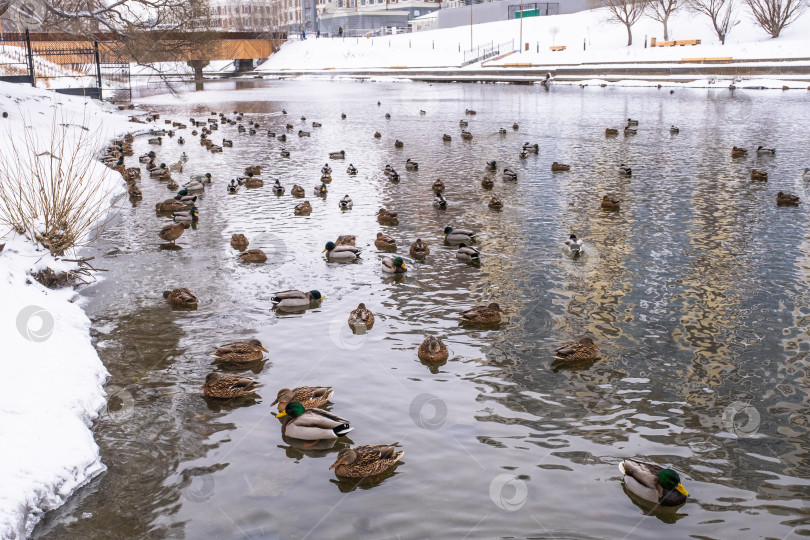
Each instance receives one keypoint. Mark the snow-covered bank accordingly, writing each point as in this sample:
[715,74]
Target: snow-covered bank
[603,43]
[51,389]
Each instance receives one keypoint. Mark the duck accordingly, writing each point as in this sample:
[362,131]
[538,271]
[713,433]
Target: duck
[172,232]
[738,152]
[490,314]
[317,124]
[302,133]
[223,386]
[253,256]
[366,460]
[673,129]
[387,116]
[146,158]
[393,266]
[312,424]
[495,203]
[411,165]
[326,178]
[289,126]
[467,253]
[308,396]
[466,135]
[346,240]
[422,112]
[253,170]
[361,318]
[523,154]
[386,217]
[630,130]
[297,191]
[351,170]
[340,253]
[398,144]
[438,186]
[294,298]
[469,111]
[806,174]
[393,176]
[573,246]
[157,140]
[283,138]
[463,123]
[186,215]
[377,134]
[611,132]
[181,297]
[176,167]
[171,205]
[385,242]
[278,189]
[502,131]
[446,138]
[515,126]
[531,148]
[610,203]
[184,157]
[239,241]
[240,352]
[321,190]
[284,152]
[227,143]
[786,199]
[631,122]
[768,151]
[337,155]
[487,183]
[303,118]
[419,249]
[458,235]
[759,174]
[134,191]
[432,349]
[271,133]
[326,170]
[560,167]
[233,186]
[653,483]
[439,201]
[303,209]
[624,170]
[252,182]
[584,349]
[509,175]
[345,203]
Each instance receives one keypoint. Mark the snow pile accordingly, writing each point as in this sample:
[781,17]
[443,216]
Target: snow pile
[52,383]
[604,42]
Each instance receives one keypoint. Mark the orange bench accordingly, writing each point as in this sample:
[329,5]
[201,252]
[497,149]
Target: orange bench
[557,48]
[655,43]
[518,64]
[701,60]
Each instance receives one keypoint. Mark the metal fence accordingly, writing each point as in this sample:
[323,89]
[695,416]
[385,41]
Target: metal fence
[487,50]
[15,58]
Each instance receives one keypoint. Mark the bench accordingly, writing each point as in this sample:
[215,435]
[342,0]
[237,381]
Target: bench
[655,43]
[701,60]
[557,48]
[518,64]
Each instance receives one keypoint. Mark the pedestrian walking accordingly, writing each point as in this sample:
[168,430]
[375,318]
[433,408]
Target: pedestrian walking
[340,32]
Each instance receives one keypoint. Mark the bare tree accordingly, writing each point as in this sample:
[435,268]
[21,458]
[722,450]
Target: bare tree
[660,10]
[626,12]
[723,14]
[774,15]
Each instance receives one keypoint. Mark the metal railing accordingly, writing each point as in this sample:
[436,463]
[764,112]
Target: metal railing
[487,50]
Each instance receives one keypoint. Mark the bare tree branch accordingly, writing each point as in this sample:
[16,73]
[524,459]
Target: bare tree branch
[626,12]
[774,15]
[660,10]
[723,14]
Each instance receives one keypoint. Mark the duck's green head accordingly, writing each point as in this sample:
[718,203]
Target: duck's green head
[194,212]
[669,480]
[448,230]
[250,175]
[329,247]
[162,165]
[316,295]
[208,175]
[183,192]
[293,410]
[398,262]
[323,188]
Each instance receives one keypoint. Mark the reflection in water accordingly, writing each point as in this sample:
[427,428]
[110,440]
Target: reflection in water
[695,292]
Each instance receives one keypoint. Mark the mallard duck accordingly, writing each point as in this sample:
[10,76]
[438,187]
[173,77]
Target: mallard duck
[233,186]
[387,116]
[673,129]
[340,253]
[422,112]
[385,217]
[393,176]
[171,205]
[170,233]
[398,144]
[181,298]
[176,167]
[411,165]
[610,203]
[630,130]
[302,133]
[184,197]
[806,174]
[326,169]
[253,170]
[222,386]
[738,152]
[303,209]
[653,483]
[321,190]
[509,175]
[458,235]
[490,314]
[158,140]
[466,135]
[762,150]
[786,199]
[487,183]
[146,158]
[326,178]
[312,424]
[278,189]
[240,352]
[502,131]
[439,201]
[303,118]
[134,191]
[515,126]
[624,170]
[393,266]
[184,157]
[463,123]
[361,318]
[252,182]
[187,215]
[495,203]
[271,133]
[283,138]
[611,132]
[573,246]
[365,461]
[759,174]
[419,249]
[317,124]
[523,154]
[351,170]
[283,111]
[295,298]
[631,122]
[284,152]
[467,253]
[385,242]
[227,143]
[438,186]
[447,138]
[345,203]
[432,349]
[308,396]
[194,186]
[377,134]
[239,241]
[560,167]
[577,351]
[297,191]
[215,149]
[345,240]
[469,111]
[253,256]
[337,155]
[531,148]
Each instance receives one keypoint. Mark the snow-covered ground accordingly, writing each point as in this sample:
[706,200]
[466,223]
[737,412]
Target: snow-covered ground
[51,389]
[603,42]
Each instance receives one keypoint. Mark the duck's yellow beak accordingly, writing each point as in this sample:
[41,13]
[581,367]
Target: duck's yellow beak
[682,490]
[282,413]
[403,267]
[265,350]
[335,464]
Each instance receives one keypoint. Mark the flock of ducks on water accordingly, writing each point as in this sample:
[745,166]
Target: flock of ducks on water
[299,408]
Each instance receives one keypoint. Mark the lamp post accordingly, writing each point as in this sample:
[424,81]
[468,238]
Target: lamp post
[471,24]
[521,27]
